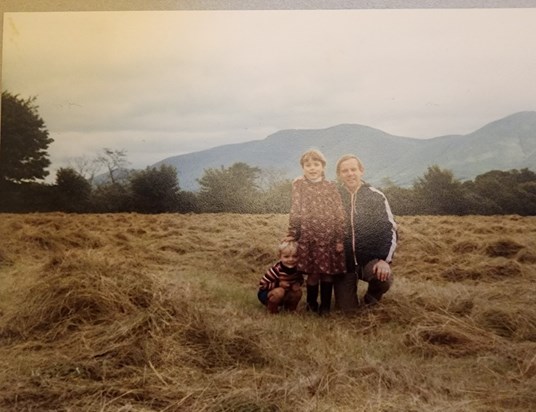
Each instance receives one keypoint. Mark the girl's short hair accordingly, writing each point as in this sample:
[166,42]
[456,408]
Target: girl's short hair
[288,244]
[313,154]
[345,158]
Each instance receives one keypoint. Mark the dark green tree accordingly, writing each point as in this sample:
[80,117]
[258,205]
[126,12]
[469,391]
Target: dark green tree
[188,202]
[510,191]
[73,191]
[529,187]
[527,192]
[231,189]
[478,204]
[401,199]
[24,141]
[155,190]
[439,193]
[277,198]
[111,198]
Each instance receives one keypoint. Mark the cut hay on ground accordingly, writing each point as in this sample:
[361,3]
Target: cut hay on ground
[437,334]
[159,313]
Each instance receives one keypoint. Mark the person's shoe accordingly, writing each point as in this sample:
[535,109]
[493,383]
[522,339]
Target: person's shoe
[312,307]
[291,306]
[326,290]
[324,310]
[312,296]
[273,307]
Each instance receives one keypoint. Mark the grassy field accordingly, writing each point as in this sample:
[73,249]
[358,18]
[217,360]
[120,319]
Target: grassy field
[133,312]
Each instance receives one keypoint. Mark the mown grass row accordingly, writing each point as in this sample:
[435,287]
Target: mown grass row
[151,313]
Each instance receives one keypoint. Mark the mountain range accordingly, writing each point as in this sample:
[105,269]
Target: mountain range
[508,143]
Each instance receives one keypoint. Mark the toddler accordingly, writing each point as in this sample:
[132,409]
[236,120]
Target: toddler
[281,284]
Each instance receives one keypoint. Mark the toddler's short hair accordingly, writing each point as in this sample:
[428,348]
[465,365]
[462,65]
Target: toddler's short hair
[313,154]
[290,244]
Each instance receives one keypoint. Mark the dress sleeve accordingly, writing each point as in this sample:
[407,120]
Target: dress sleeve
[295,216]
[338,215]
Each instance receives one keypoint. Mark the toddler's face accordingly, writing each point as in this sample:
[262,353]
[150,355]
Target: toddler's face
[289,257]
[313,169]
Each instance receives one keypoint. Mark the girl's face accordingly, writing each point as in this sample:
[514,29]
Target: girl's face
[313,169]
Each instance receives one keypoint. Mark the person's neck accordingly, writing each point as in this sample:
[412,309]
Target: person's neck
[288,268]
[354,189]
[318,179]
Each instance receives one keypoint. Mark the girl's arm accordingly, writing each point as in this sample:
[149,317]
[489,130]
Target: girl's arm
[295,211]
[339,218]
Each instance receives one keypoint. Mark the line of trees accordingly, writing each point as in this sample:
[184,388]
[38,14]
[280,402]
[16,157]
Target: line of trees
[233,189]
[438,192]
[239,188]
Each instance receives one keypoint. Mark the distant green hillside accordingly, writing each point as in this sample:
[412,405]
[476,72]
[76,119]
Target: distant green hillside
[508,143]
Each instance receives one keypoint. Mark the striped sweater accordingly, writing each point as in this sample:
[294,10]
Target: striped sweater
[277,273]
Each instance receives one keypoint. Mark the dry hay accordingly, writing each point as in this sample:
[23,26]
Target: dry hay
[78,292]
[509,312]
[429,299]
[100,329]
[465,246]
[213,350]
[428,245]
[497,269]
[93,321]
[58,241]
[249,257]
[501,322]
[94,330]
[503,247]
[515,368]
[447,335]
[524,356]
[526,256]
[5,258]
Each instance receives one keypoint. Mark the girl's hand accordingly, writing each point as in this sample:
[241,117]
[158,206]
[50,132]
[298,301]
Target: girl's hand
[339,247]
[288,239]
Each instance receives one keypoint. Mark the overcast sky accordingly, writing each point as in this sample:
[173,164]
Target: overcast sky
[163,83]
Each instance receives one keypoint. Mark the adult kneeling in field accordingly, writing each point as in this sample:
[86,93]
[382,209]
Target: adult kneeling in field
[370,237]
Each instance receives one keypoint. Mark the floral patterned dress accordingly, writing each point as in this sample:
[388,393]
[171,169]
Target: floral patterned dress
[317,223]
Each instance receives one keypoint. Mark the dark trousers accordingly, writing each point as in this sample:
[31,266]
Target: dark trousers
[345,287]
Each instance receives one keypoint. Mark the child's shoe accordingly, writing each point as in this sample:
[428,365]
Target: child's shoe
[312,295]
[273,307]
[326,290]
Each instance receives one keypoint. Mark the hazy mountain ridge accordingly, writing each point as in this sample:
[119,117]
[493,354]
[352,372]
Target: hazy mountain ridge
[507,143]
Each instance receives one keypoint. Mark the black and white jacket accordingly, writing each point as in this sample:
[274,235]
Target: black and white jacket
[371,231]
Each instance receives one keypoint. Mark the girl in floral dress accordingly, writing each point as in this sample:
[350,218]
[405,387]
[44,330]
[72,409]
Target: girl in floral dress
[317,223]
